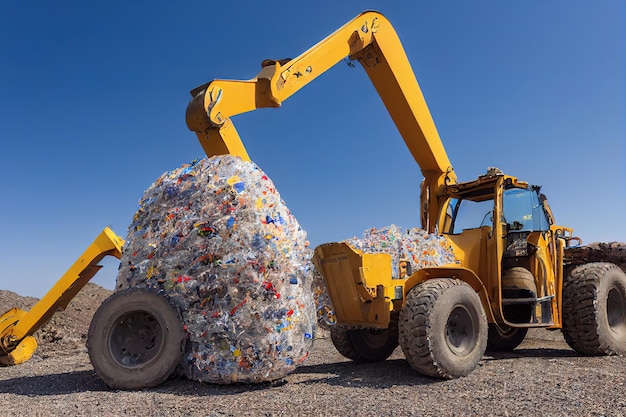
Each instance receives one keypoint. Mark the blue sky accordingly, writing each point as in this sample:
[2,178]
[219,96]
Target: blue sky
[93,98]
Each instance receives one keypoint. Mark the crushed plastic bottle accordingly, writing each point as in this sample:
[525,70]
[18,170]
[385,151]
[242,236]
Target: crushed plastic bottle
[215,237]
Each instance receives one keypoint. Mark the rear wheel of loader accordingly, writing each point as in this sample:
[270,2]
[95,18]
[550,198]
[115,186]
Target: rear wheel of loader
[364,345]
[443,328]
[594,309]
[135,340]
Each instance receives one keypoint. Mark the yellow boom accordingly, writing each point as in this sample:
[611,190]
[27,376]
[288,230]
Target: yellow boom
[17,326]
[369,38]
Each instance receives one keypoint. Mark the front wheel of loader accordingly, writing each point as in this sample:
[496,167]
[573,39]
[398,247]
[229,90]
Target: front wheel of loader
[594,309]
[135,340]
[364,345]
[443,328]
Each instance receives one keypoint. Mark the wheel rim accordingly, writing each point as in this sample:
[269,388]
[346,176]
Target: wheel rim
[616,310]
[460,331]
[136,339]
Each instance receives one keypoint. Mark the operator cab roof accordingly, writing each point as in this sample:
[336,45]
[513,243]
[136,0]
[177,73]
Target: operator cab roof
[484,187]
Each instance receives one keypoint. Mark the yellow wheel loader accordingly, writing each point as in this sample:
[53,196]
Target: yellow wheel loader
[511,275]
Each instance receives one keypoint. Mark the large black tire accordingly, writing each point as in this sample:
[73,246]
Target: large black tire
[443,328]
[504,340]
[364,345]
[136,340]
[594,309]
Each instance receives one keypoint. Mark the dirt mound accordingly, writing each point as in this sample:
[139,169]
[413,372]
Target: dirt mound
[67,331]
[10,299]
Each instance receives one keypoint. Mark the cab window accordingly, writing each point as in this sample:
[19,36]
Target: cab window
[468,214]
[523,211]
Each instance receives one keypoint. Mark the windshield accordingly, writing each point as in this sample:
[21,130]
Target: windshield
[522,209]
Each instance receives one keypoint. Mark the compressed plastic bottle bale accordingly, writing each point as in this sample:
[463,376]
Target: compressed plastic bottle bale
[217,239]
[416,245]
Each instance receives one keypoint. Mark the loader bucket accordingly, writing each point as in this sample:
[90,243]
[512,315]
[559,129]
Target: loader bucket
[12,350]
[355,283]
[22,352]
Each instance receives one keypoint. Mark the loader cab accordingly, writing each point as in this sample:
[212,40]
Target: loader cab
[522,212]
[498,228]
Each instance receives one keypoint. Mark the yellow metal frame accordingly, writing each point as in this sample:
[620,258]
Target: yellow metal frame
[369,38]
[17,326]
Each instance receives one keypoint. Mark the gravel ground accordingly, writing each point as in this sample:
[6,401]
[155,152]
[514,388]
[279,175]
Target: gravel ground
[542,377]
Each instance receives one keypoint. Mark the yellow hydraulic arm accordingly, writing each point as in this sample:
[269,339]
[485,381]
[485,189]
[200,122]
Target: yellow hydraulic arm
[17,326]
[369,38]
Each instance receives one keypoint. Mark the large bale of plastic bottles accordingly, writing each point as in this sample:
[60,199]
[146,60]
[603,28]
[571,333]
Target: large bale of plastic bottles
[215,237]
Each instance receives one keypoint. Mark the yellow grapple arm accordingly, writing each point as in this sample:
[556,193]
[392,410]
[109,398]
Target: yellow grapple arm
[17,326]
[369,38]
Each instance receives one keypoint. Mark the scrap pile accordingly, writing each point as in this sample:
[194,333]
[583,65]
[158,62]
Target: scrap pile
[215,237]
[613,252]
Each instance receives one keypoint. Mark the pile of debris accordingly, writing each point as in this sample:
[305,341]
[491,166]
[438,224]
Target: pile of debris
[613,252]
